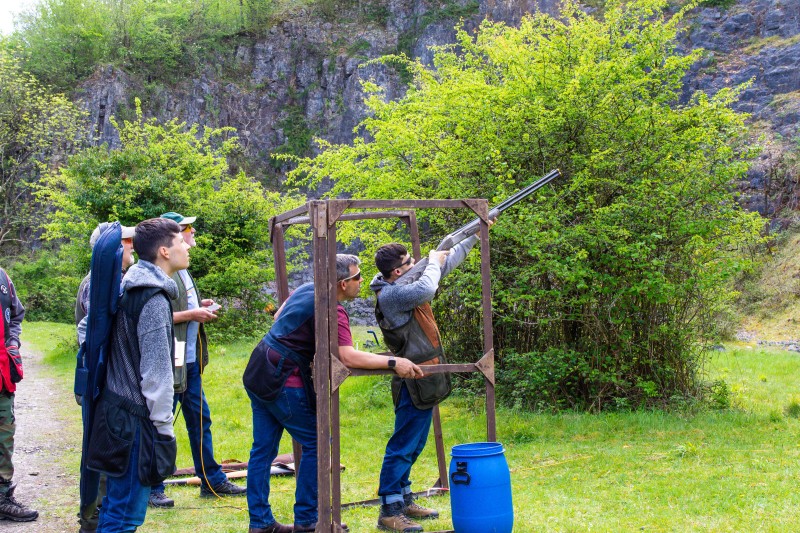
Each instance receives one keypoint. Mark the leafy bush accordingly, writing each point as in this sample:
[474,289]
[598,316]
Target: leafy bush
[47,282]
[171,167]
[720,394]
[605,287]
[61,41]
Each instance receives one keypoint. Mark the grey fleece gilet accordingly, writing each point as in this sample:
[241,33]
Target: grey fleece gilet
[153,388]
[398,302]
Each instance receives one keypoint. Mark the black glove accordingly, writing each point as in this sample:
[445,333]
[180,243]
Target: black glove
[15,364]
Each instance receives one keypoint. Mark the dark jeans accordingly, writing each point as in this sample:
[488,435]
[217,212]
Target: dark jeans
[125,503]
[411,428]
[86,517]
[289,411]
[193,405]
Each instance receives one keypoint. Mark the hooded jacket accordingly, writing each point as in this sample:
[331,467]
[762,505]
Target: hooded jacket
[152,386]
[14,314]
[397,302]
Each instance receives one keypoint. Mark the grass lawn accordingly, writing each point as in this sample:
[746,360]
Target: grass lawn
[718,470]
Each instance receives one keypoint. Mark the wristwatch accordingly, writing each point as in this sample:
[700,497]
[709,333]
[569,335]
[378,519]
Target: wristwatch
[392,362]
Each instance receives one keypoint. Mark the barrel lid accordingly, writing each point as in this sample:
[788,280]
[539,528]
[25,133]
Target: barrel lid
[477,449]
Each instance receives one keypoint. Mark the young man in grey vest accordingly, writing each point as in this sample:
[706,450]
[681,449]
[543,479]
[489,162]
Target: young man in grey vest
[409,329]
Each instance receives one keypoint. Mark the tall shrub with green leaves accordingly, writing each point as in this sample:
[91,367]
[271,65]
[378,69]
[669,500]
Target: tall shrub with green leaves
[604,285]
[37,130]
[172,167]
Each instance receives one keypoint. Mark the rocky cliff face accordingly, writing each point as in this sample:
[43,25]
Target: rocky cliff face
[757,41]
[303,78]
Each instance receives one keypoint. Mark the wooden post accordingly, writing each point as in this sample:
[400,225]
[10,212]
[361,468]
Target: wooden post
[319,215]
[488,336]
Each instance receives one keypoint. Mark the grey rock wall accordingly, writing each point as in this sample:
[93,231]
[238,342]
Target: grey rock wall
[303,64]
[305,75]
[756,42]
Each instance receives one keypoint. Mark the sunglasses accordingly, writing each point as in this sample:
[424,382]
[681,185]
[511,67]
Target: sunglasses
[186,228]
[404,263]
[356,277]
[127,240]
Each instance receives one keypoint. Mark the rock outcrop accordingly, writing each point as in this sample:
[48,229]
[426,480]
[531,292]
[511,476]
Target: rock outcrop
[304,77]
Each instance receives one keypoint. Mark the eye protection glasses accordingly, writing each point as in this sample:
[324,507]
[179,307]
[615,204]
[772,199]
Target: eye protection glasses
[404,263]
[356,277]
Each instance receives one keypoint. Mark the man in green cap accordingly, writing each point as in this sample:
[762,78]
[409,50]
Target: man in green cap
[190,313]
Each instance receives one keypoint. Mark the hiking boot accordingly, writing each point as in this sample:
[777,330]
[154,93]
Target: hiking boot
[412,510]
[226,488]
[312,527]
[89,525]
[11,509]
[391,518]
[277,527]
[159,499]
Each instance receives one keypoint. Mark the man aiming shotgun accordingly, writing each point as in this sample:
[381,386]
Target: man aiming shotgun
[468,230]
[403,292]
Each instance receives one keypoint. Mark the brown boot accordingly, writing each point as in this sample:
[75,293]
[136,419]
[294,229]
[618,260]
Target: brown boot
[417,512]
[391,518]
[277,527]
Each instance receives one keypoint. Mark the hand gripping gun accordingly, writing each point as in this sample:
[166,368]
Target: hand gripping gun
[467,230]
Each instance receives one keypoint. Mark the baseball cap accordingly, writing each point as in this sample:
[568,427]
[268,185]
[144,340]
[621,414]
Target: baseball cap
[180,219]
[127,232]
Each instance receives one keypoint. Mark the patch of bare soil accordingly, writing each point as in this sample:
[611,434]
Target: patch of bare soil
[46,450]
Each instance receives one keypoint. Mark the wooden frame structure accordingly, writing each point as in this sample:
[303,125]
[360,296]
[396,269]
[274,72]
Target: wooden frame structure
[322,216]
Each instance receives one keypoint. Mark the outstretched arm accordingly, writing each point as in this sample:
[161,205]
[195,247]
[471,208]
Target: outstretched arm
[357,359]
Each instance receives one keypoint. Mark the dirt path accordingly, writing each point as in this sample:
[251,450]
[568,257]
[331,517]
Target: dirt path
[47,450]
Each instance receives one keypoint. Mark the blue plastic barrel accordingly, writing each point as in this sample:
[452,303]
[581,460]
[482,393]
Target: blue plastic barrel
[480,489]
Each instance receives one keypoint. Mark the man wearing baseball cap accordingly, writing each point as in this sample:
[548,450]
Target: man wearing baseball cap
[190,313]
[82,302]
[88,515]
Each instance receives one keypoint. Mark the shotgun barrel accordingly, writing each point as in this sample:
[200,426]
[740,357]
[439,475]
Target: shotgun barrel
[467,230]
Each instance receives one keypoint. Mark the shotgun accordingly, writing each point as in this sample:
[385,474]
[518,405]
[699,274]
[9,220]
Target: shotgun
[467,230]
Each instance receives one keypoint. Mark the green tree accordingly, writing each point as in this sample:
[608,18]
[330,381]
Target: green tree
[603,290]
[61,41]
[172,167]
[37,129]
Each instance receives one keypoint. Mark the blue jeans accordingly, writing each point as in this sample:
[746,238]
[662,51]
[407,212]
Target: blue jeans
[289,411]
[193,405]
[411,428]
[125,502]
